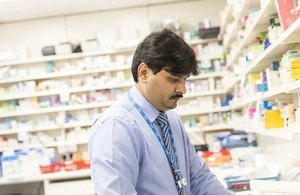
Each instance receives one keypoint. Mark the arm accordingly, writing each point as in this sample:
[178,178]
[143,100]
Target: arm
[203,181]
[114,157]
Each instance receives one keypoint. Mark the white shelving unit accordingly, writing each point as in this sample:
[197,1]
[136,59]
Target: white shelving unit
[73,73]
[64,27]
[48,128]
[68,56]
[49,180]
[201,117]
[204,111]
[68,73]
[72,182]
[57,109]
[287,41]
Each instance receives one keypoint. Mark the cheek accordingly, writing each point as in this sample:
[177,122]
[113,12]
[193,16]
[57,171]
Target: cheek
[164,89]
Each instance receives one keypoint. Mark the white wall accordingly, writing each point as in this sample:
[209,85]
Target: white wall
[36,34]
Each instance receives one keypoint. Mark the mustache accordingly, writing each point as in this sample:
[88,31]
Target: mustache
[176,96]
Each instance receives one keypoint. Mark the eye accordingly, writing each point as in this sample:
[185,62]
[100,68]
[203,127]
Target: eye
[173,79]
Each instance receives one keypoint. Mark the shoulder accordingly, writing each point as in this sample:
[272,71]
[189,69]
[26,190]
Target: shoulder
[117,124]
[119,112]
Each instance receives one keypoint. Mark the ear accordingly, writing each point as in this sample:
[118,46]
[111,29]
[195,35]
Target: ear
[143,72]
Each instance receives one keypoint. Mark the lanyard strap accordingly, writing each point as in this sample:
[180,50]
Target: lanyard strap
[174,165]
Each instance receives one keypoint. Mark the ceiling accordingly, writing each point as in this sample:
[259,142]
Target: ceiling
[20,10]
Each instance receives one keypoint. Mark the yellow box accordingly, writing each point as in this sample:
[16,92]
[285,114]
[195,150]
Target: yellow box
[272,119]
[295,64]
[295,71]
[279,124]
[295,76]
[253,77]
[272,113]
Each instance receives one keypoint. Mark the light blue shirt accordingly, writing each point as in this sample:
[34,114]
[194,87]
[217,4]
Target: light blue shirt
[127,158]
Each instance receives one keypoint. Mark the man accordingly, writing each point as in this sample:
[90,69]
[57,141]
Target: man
[139,145]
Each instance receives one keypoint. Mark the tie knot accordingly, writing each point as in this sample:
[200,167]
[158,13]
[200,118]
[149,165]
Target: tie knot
[162,119]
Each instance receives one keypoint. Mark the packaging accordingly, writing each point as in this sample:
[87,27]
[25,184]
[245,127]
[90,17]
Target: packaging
[63,48]
[205,33]
[90,45]
[284,10]
[48,50]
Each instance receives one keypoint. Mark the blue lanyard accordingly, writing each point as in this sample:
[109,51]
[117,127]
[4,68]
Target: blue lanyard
[173,165]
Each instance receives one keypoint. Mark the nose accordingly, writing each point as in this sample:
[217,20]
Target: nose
[181,88]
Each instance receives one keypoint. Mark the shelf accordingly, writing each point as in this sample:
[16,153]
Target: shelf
[288,40]
[205,93]
[281,133]
[260,24]
[65,74]
[208,75]
[71,90]
[47,127]
[217,127]
[212,110]
[50,144]
[278,92]
[113,66]
[49,176]
[67,57]
[226,18]
[20,147]
[233,82]
[67,142]
[237,23]
[56,109]
[86,54]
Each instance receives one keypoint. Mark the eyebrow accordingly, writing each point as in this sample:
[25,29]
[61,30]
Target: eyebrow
[180,76]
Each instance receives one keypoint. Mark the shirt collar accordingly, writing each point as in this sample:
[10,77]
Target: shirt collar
[150,111]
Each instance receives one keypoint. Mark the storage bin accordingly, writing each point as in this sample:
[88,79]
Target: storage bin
[205,33]
[236,184]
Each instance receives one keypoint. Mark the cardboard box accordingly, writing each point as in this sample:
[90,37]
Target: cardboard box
[284,8]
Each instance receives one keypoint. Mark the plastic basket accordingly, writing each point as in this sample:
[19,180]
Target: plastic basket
[236,184]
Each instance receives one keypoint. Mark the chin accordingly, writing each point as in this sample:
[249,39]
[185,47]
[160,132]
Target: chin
[173,106]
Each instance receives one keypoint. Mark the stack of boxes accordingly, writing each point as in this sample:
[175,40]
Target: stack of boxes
[273,119]
[290,62]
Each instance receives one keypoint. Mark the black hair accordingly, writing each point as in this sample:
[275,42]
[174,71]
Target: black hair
[165,50]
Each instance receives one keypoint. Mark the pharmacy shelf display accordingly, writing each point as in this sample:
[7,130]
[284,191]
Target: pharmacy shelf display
[283,94]
[32,93]
[203,108]
[46,101]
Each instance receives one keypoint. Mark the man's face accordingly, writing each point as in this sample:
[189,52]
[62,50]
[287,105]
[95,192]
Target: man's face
[164,90]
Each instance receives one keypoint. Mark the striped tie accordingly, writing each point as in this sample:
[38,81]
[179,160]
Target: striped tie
[163,122]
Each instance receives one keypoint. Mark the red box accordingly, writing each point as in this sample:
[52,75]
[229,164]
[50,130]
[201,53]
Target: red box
[50,168]
[284,8]
[72,165]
